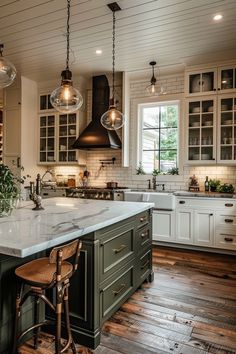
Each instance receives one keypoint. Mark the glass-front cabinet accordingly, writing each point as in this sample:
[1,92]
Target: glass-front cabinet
[1,136]
[47,143]
[67,136]
[227,129]
[227,78]
[201,82]
[201,123]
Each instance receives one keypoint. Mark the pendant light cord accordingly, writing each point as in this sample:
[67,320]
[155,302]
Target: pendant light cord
[68,35]
[113,55]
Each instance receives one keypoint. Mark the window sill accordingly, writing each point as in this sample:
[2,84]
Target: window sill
[159,178]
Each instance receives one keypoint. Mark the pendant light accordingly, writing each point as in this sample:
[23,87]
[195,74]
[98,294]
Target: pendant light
[152,88]
[7,70]
[113,119]
[66,98]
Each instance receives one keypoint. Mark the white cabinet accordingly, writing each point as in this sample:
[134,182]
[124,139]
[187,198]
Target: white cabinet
[57,133]
[163,223]
[201,128]
[203,227]
[227,78]
[184,226]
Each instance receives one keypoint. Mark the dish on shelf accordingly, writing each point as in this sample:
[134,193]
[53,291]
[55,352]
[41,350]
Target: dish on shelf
[195,157]
[50,158]
[210,109]
[227,122]
[224,107]
[208,123]
[205,156]
[196,110]
[195,124]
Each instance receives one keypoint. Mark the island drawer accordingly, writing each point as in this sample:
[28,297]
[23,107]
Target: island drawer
[226,238]
[116,248]
[112,295]
[143,219]
[143,237]
[143,267]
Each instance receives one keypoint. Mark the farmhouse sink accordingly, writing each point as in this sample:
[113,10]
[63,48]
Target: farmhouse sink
[162,201]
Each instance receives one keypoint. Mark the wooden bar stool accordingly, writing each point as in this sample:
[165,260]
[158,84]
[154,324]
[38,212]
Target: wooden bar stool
[39,275]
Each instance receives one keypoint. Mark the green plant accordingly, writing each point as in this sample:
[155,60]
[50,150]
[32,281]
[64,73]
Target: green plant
[156,172]
[214,184]
[173,171]
[225,188]
[140,170]
[9,189]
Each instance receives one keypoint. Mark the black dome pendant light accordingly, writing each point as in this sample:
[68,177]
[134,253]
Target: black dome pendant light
[66,98]
[113,119]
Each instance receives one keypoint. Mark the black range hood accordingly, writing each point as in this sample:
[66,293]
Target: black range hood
[95,136]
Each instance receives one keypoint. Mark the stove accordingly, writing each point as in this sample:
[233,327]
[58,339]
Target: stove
[97,193]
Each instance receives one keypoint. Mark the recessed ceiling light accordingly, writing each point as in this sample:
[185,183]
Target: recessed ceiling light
[98,51]
[217,17]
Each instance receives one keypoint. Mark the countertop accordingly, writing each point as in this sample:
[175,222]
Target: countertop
[26,232]
[204,194]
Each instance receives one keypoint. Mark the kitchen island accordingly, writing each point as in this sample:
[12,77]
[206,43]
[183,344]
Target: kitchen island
[115,258]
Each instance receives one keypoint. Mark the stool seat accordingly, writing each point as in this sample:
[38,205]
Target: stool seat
[41,272]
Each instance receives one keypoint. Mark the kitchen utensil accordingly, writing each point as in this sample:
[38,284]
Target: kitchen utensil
[112,184]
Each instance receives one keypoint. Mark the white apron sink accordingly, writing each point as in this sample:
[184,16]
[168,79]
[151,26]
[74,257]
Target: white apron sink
[162,201]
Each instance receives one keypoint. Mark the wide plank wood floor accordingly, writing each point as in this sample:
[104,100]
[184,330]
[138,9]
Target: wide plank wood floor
[190,308]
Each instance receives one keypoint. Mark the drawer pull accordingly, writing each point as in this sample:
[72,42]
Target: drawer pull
[118,250]
[143,218]
[228,239]
[116,292]
[145,264]
[229,204]
[181,202]
[229,220]
[144,234]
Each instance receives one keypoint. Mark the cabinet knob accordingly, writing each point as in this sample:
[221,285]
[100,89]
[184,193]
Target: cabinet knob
[229,220]
[211,214]
[144,234]
[218,88]
[214,89]
[142,219]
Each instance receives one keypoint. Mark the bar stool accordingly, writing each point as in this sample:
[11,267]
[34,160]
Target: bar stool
[52,272]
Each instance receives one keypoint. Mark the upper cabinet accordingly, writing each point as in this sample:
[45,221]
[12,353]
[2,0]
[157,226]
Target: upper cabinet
[57,133]
[1,136]
[221,79]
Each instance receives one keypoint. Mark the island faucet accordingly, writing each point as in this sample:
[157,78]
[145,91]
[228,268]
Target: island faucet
[35,193]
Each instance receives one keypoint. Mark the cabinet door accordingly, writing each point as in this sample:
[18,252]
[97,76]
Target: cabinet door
[227,79]
[47,137]
[227,128]
[184,226]
[201,128]
[203,227]
[163,226]
[201,82]
[68,132]
[1,136]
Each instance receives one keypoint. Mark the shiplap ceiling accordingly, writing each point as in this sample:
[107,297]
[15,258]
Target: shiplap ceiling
[169,31]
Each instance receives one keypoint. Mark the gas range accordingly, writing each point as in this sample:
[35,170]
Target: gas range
[97,193]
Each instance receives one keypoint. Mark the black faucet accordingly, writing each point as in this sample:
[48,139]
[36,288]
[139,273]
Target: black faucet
[35,193]
[149,184]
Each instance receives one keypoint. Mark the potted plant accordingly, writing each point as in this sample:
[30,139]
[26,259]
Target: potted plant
[9,190]
[214,184]
[226,188]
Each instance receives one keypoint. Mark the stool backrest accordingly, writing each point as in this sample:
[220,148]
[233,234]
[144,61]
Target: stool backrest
[63,252]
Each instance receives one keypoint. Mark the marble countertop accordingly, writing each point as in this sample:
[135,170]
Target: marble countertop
[26,232]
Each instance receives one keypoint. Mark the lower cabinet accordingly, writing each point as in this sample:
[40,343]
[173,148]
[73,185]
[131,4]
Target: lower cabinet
[203,227]
[163,223]
[184,226]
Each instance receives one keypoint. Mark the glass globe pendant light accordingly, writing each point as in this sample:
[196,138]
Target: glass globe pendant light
[7,70]
[152,88]
[66,98]
[113,119]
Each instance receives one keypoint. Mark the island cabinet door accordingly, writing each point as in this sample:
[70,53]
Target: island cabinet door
[117,247]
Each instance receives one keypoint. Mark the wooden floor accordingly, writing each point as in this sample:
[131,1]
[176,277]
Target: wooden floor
[190,308]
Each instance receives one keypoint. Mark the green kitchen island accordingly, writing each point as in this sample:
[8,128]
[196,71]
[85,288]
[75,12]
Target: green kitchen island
[116,258]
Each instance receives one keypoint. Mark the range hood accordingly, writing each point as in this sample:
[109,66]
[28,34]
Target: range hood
[95,136]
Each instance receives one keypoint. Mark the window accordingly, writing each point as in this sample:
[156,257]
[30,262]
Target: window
[158,140]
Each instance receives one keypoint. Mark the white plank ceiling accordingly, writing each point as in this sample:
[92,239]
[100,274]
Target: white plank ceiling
[170,31]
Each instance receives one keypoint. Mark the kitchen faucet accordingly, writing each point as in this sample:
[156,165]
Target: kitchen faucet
[35,193]
[155,184]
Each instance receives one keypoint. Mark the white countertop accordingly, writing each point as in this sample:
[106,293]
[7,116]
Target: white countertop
[26,231]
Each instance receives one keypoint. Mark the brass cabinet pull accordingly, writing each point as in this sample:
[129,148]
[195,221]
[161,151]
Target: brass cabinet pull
[118,250]
[116,292]
[144,234]
[229,204]
[142,219]
[229,220]
[145,264]
[228,239]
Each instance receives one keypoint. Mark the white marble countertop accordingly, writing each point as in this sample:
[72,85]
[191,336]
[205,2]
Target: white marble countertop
[26,231]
